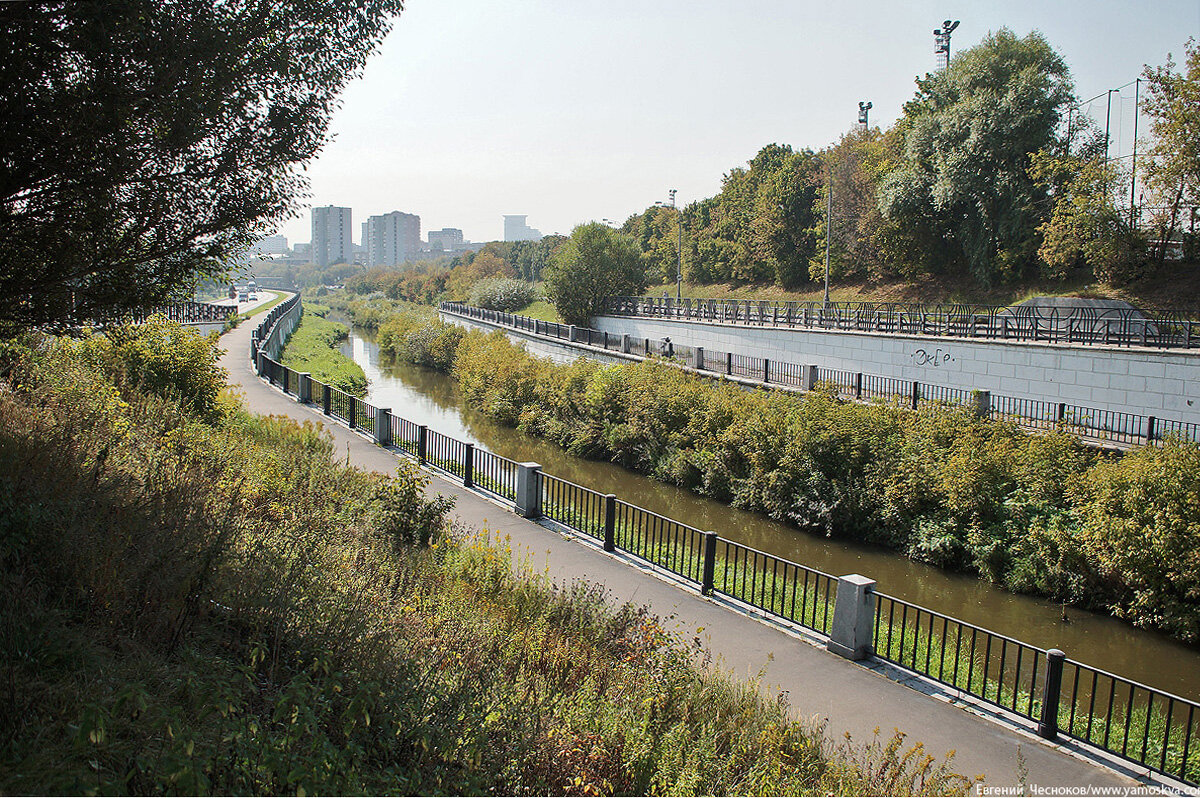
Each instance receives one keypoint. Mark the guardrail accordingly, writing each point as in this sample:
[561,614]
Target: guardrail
[1080,325]
[1114,426]
[1053,694]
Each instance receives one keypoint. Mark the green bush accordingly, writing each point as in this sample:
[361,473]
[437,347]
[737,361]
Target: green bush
[502,294]
[164,358]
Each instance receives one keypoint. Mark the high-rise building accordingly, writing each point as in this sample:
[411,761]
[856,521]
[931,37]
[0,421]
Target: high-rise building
[448,239]
[515,229]
[392,239]
[331,238]
[271,245]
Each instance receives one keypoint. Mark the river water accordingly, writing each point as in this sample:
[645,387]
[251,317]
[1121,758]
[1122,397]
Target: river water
[427,397]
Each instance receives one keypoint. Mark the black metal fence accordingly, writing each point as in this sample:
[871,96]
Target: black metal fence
[1076,325]
[1150,727]
[1111,426]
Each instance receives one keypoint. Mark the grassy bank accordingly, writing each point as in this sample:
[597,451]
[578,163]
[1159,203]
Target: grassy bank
[1034,513]
[197,600]
[313,348]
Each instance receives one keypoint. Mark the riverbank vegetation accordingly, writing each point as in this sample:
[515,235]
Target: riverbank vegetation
[195,599]
[1035,513]
[313,348]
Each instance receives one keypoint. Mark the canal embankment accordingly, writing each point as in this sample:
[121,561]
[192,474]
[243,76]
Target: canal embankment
[817,684]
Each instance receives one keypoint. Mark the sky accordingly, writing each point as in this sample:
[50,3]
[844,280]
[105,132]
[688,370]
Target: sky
[570,112]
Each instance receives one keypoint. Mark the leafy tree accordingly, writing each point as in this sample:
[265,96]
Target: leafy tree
[1086,229]
[962,198]
[148,140]
[856,163]
[1172,170]
[595,263]
[759,228]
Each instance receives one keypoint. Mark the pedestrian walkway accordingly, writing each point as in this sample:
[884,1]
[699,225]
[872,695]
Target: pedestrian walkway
[848,697]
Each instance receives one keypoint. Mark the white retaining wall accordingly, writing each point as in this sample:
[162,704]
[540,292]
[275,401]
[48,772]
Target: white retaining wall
[1150,382]
[539,345]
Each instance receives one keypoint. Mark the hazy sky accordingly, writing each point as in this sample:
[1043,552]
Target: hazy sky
[570,111]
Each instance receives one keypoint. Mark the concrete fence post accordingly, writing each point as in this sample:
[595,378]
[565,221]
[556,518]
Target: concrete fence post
[610,522]
[326,400]
[571,334]
[625,347]
[981,403]
[809,376]
[709,570]
[851,634]
[304,388]
[1051,690]
[700,358]
[383,426]
[529,490]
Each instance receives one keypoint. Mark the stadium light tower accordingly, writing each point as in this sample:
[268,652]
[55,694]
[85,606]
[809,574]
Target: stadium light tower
[941,42]
[863,108]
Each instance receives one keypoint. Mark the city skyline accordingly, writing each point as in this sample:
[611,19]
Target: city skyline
[570,114]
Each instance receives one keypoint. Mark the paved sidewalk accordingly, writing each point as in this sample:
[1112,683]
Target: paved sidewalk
[847,696]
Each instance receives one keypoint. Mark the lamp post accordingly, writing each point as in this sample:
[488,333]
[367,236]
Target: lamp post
[828,230]
[679,251]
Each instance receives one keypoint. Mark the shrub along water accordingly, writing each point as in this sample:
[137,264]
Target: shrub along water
[197,600]
[1036,513]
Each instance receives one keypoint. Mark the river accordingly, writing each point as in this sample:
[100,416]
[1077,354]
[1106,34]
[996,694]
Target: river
[430,398]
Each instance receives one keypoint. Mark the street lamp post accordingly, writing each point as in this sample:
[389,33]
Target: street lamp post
[828,230]
[679,251]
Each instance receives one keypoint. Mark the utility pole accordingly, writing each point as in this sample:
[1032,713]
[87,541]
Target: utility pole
[828,231]
[678,252]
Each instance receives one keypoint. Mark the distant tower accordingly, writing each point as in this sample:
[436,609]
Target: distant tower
[941,43]
[331,238]
[863,109]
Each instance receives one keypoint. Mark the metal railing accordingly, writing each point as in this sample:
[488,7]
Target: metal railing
[1167,329]
[1104,426]
[1144,725]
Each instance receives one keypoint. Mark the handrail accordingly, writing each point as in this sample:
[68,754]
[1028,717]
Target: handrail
[1100,425]
[1164,329]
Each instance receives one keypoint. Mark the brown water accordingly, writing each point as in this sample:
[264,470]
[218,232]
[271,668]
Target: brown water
[427,397]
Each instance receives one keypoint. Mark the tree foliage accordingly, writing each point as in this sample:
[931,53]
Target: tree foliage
[595,263]
[1172,170]
[962,198]
[148,140]
[759,228]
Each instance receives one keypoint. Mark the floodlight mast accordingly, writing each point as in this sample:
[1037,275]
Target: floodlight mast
[941,42]
[863,108]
